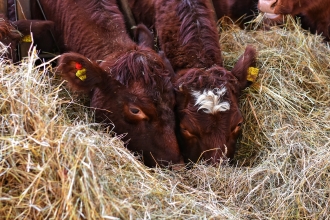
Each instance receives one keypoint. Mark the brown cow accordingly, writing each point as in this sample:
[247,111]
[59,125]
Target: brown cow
[315,15]
[206,93]
[129,84]
[12,32]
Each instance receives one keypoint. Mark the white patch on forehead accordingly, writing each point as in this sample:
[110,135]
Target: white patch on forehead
[211,100]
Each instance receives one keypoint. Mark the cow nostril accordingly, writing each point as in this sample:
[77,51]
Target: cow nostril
[274,4]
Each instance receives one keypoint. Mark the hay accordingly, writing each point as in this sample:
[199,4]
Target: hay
[55,162]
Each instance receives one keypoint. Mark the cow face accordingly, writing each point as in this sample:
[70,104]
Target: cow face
[207,110]
[274,8]
[133,92]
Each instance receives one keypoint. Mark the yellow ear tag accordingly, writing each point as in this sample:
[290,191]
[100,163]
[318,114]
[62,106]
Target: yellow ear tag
[81,74]
[252,74]
[27,39]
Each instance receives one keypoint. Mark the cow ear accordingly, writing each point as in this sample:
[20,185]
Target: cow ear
[82,74]
[182,97]
[37,27]
[240,70]
[167,64]
[143,36]
[182,91]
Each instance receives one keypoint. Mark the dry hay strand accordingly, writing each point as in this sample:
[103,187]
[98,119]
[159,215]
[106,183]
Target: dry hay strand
[57,163]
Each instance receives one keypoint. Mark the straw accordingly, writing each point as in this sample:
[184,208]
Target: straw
[57,163]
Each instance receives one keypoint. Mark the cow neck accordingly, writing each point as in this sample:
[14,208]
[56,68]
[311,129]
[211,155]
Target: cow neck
[315,9]
[91,28]
[196,44]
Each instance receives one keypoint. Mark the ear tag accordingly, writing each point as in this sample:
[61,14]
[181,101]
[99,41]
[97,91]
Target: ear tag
[27,39]
[252,74]
[81,72]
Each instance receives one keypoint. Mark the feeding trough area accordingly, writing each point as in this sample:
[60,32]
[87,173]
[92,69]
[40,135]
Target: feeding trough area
[56,162]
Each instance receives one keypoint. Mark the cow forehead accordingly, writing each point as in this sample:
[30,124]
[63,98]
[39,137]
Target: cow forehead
[211,101]
[140,65]
[157,93]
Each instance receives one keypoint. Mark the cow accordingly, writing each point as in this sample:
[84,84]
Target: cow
[12,32]
[209,119]
[315,15]
[129,83]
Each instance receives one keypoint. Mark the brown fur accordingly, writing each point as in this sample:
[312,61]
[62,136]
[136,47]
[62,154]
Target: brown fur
[315,15]
[129,84]
[143,11]
[188,35]
[7,29]
[9,36]
[188,41]
[238,11]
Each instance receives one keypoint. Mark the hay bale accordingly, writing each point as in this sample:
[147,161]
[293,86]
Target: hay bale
[55,162]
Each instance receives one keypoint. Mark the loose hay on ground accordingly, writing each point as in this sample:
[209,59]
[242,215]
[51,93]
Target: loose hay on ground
[57,163]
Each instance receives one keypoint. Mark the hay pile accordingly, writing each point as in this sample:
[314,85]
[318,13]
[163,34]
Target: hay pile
[56,163]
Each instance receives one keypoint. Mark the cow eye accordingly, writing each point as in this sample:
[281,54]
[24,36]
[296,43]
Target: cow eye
[185,132]
[134,111]
[238,127]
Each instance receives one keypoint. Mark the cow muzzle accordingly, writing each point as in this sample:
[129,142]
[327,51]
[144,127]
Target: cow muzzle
[267,6]
[271,16]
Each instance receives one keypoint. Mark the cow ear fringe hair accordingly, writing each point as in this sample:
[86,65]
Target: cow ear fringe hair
[138,65]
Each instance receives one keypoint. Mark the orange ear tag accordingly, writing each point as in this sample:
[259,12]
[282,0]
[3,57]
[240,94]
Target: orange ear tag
[81,72]
[252,74]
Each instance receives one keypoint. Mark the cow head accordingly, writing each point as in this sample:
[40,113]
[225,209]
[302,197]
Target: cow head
[207,109]
[12,32]
[277,8]
[9,36]
[132,91]
[143,36]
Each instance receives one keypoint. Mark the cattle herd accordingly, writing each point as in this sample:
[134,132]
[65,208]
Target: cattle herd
[171,96]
